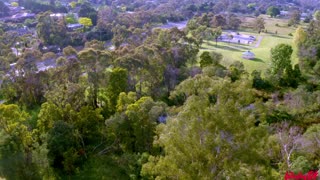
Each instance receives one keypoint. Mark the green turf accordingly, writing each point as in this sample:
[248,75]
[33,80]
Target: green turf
[233,52]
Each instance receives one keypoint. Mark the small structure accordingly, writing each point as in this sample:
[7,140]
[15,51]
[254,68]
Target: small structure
[284,13]
[248,55]
[73,27]
[58,15]
[233,37]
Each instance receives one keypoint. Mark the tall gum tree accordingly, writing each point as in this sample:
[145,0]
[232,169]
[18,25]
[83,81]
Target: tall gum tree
[212,136]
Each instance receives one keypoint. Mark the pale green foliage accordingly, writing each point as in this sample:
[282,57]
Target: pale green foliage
[281,58]
[85,21]
[124,100]
[15,143]
[210,139]
[69,51]
[317,15]
[300,36]
[117,84]
[14,4]
[11,118]
[251,5]
[49,113]
[73,4]
[71,19]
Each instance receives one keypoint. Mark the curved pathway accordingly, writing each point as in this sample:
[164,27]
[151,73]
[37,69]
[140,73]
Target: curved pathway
[259,41]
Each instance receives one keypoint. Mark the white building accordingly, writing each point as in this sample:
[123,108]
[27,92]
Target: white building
[248,55]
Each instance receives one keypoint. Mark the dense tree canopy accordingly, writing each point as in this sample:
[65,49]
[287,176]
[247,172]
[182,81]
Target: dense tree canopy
[131,97]
[273,11]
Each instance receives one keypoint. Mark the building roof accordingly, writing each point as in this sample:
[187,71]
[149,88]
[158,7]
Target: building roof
[58,15]
[74,25]
[248,53]
[23,15]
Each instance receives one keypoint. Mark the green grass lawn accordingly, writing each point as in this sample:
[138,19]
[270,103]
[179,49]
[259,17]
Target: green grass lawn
[233,52]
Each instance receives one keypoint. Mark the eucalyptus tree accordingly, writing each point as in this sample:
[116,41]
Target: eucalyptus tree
[213,135]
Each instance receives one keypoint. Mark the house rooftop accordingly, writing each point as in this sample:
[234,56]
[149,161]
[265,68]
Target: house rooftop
[248,55]
[58,15]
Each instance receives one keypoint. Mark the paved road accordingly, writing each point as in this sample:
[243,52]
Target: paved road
[259,41]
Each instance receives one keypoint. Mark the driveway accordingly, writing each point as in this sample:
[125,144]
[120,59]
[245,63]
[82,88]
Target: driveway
[259,41]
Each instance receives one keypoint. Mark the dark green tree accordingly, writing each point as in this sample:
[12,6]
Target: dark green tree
[207,59]
[133,125]
[86,10]
[281,58]
[273,11]
[52,31]
[63,147]
[118,81]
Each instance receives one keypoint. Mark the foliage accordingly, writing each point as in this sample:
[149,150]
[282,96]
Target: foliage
[86,22]
[71,19]
[40,7]
[50,30]
[135,123]
[273,11]
[86,10]
[301,165]
[15,4]
[295,18]
[204,142]
[317,15]
[300,37]
[147,109]
[259,24]
[73,4]
[15,144]
[281,58]
[259,82]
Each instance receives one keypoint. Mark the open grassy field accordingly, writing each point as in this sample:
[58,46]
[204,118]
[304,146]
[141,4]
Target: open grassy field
[233,52]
